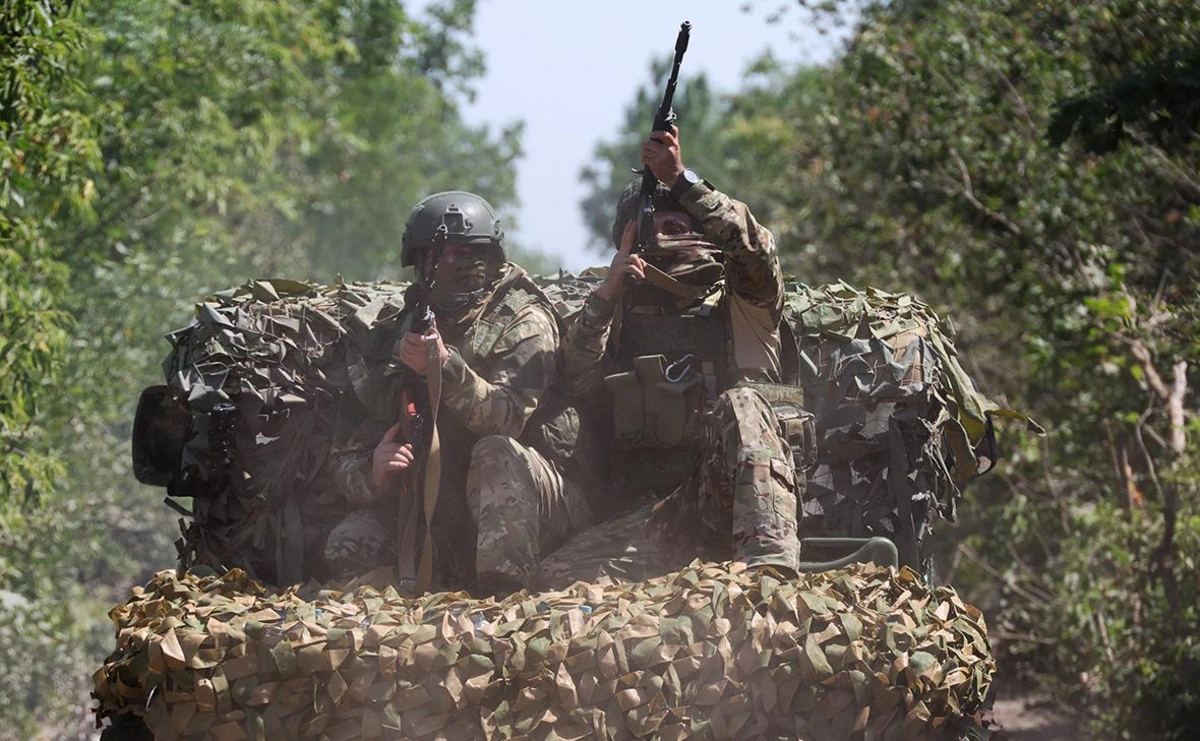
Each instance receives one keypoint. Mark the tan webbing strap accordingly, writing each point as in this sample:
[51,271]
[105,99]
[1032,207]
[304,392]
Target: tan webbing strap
[406,544]
[659,279]
[433,465]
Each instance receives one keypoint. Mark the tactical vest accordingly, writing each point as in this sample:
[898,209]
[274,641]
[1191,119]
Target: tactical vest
[554,425]
[675,364]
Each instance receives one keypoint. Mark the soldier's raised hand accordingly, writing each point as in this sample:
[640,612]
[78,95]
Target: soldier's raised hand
[391,456]
[661,153]
[623,264]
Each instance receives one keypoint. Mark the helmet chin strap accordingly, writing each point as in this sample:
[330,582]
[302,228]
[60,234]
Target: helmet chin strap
[453,302]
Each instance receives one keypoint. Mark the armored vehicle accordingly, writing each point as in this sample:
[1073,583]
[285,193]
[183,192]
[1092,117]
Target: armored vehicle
[247,638]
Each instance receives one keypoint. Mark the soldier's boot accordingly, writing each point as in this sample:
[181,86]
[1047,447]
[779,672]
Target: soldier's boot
[765,488]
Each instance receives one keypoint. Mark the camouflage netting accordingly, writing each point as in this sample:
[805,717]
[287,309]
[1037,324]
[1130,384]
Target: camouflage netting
[900,426]
[260,371]
[709,652]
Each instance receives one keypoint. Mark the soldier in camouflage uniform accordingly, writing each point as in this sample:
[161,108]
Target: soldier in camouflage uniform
[675,349]
[505,434]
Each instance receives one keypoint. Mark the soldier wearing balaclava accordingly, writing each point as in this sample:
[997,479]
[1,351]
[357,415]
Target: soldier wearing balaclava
[679,348]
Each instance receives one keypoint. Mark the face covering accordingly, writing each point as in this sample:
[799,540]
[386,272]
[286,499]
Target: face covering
[688,258]
[461,288]
[459,285]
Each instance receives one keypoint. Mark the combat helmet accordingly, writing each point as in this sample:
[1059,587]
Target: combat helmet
[468,219]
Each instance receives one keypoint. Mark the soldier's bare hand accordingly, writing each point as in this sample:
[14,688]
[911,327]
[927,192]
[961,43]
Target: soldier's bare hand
[661,153]
[414,350]
[623,264]
[390,456]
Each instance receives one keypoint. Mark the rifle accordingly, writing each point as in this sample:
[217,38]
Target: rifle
[662,122]
[417,402]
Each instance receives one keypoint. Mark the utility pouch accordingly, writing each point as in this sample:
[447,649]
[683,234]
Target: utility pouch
[629,414]
[656,405]
[797,423]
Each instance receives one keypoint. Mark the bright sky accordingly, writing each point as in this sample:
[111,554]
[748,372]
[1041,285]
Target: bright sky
[568,69]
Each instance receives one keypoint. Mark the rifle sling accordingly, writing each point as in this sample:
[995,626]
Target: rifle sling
[410,508]
[410,571]
[433,466]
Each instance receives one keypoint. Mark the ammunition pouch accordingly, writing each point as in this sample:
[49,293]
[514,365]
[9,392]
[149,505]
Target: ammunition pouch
[657,405]
[797,424]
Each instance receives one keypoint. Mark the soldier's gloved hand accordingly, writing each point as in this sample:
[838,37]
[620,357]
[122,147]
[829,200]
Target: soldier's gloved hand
[414,350]
[390,456]
[662,155]
[622,264]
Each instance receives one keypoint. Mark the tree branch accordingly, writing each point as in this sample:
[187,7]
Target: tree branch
[1142,355]
[968,192]
[1175,412]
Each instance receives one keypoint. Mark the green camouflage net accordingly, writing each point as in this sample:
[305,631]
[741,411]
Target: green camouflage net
[709,652]
[272,355]
[900,427]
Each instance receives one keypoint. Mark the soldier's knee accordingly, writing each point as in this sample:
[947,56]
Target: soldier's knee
[744,418]
[740,406]
[492,449]
[358,543]
[498,476]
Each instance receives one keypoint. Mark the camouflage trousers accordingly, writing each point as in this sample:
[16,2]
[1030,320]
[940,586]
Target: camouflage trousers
[523,507]
[363,540]
[745,492]
[741,504]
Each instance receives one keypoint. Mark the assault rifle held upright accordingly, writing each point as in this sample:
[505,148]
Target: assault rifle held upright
[417,402]
[662,122]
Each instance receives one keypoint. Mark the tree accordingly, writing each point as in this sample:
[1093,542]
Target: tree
[45,156]
[152,153]
[1072,274]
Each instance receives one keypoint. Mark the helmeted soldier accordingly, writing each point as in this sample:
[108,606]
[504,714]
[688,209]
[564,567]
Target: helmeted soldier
[679,348]
[504,434]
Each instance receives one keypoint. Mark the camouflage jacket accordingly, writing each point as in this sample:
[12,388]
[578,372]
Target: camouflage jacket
[496,379]
[752,297]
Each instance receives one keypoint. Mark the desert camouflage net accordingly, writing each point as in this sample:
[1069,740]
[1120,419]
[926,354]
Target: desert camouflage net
[710,652]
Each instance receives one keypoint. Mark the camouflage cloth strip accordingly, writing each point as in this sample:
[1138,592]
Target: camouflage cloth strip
[710,652]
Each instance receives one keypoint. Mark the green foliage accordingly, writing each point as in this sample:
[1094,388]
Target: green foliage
[53,602]
[43,150]
[1126,624]
[151,153]
[1072,276]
